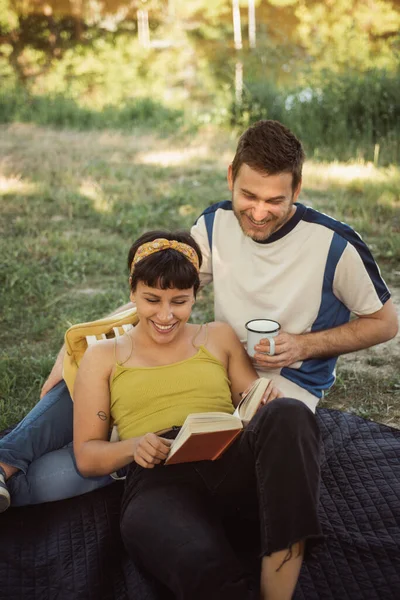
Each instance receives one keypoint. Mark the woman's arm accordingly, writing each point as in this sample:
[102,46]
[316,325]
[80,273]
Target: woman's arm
[240,369]
[94,454]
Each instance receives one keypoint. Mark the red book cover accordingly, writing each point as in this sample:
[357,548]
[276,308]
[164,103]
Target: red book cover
[204,446]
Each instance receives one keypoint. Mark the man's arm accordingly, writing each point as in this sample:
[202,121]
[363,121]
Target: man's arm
[363,332]
[56,372]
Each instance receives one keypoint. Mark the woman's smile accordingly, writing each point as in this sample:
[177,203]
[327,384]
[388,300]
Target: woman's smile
[163,329]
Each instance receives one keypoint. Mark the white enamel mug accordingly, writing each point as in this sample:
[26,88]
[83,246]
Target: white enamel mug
[258,329]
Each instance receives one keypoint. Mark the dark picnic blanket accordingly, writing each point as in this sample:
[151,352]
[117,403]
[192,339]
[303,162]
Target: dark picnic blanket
[71,550]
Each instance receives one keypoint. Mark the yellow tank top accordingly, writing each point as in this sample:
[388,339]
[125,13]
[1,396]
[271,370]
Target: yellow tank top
[150,399]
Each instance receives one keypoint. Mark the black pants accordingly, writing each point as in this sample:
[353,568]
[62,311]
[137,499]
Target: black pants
[174,517]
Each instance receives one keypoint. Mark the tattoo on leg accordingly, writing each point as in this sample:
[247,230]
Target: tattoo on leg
[102,415]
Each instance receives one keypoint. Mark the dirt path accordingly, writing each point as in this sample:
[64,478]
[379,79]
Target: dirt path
[368,381]
[383,352]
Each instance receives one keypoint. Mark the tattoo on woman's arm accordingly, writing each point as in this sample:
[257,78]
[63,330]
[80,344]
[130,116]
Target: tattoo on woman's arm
[102,415]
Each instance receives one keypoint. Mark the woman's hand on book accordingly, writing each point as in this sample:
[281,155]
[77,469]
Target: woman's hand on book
[150,449]
[271,393]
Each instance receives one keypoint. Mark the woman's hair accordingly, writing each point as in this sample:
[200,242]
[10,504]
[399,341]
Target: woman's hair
[167,268]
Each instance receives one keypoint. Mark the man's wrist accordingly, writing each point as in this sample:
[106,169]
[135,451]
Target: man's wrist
[307,347]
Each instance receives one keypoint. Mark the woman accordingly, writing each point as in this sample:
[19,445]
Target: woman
[147,382]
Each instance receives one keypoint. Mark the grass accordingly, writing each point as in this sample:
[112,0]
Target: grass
[61,111]
[367,392]
[72,202]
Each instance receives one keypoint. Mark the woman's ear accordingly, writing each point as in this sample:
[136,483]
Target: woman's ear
[132,294]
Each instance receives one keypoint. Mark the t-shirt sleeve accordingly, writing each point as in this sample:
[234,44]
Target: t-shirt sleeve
[199,232]
[358,283]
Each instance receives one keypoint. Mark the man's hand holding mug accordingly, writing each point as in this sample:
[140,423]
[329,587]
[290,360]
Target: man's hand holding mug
[270,347]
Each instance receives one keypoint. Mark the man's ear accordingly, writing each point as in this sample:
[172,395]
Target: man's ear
[297,191]
[230,177]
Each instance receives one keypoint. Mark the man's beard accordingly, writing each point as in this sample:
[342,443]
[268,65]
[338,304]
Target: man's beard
[260,236]
[256,236]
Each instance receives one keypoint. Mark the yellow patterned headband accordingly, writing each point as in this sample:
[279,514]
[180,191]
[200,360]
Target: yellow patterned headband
[159,244]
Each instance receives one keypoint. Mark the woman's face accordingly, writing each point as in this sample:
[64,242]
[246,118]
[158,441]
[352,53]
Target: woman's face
[162,313]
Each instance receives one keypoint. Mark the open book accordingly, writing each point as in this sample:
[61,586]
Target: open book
[205,436]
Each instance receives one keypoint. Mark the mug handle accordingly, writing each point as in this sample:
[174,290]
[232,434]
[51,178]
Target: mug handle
[271,347]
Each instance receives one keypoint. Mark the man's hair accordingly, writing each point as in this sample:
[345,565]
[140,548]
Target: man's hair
[168,268]
[271,148]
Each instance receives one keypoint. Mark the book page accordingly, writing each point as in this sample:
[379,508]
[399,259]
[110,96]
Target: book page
[249,404]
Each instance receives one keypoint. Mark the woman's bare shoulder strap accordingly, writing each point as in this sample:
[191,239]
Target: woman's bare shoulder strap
[197,335]
[115,349]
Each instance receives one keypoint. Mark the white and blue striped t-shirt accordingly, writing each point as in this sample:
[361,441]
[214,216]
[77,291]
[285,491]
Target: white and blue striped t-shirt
[309,276]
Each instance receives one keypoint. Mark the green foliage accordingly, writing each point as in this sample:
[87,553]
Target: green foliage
[261,100]
[349,114]
[84,67]
[341,116]
[348,34]
[61,111]
[91,50]
[8,17]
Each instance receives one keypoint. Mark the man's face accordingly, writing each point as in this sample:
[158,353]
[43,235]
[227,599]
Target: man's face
[262,203]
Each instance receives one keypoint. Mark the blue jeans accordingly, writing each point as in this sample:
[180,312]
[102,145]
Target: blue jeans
[41,448]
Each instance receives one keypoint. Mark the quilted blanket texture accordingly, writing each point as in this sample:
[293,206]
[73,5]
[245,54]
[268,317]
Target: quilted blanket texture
[71,550]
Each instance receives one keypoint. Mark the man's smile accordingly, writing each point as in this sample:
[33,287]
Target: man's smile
[260,224]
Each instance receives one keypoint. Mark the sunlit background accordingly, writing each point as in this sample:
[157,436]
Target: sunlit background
[328,69]
[121,116]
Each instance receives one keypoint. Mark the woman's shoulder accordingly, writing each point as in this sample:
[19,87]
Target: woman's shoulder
[215,334]
[102,351]
[98,360]
[222,332]
[220,327]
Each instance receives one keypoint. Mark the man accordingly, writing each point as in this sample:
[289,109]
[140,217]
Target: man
[272,258]
[269,257]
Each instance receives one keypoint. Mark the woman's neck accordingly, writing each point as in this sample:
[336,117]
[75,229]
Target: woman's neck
[146,352]
[144,340]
